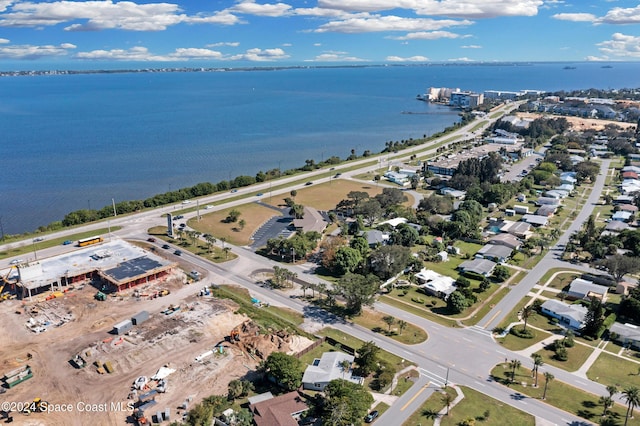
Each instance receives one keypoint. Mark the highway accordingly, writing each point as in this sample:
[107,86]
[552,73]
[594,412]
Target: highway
[462,356]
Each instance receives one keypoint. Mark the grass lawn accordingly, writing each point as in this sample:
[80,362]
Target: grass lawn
[417,309]
[214,223]
[482,312]
[562,280]
[429,410]
[215,254]
[325,196]
[356,344]
[373,321]
[515,343]
[613,370]
[486,411]
[578,354]
[550,273]
[29,247]
[513,315]
[559,394]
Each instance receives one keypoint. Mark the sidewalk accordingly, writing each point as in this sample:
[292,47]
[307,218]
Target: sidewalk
[445,410]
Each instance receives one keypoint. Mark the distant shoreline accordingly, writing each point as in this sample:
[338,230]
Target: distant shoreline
[28,73]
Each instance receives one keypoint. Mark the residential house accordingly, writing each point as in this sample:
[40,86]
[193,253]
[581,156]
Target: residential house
[628,208]
[622,216]
[547,201]
[558,194]
[568,177]
[616,226]
[624,287]
[454,193]
[566,187]
[547,211]
[629,186]
[631,169]
[623,199]
[401,179]
[521,230]
[482,267]
[521,209]
[283,410]
[571,316]
[627,334]
[629,175]
[536,220]
[376,238]
[581,289]
[495,252]
[318,375]
[434,283]
[506,240]
[394,222]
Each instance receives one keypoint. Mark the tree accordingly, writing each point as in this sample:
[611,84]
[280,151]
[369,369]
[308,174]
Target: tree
[242,223]
[606,402]
[345,366]
[620,265]
[367,358]
[632,396]
[387,261]
[594,318]
[526,312]
[389,320]
[226,251]
[345,403]
[402,325]
[358,290]
[238,389]
[210,239]
[447,399]
[233,216]
[537,362]
[286,370]
[501,273]
[548,377]
[456,302]
[370,209]
[347,260]
[515,365]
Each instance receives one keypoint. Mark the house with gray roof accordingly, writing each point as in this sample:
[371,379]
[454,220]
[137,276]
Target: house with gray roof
[376,238]
[536,220]
[626,334]
[482,267]
[497,253]
[616,226]
[571,316]
[582,289]
[506,240]
[547,211]
[318,375]
[312,221]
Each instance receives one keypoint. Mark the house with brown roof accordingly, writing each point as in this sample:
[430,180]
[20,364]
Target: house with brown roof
[312,221]
[283,410]
[506,240]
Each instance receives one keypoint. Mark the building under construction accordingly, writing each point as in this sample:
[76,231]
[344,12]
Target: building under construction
[115,265]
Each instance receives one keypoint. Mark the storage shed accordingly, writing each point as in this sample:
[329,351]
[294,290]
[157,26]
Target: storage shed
[140,317]
[122,327]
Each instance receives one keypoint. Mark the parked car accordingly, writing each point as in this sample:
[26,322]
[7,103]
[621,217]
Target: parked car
[371,416]
[151,240]
[166,246]
[178,252]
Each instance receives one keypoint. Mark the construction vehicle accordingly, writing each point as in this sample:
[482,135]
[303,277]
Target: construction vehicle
[100,296]
[39,405]
[163,293]
[139,418]
[235,335]
[78,361]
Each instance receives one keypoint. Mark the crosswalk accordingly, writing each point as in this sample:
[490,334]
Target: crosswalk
[435,379]
[480,330]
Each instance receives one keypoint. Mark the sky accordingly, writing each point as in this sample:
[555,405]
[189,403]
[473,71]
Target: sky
[221,33]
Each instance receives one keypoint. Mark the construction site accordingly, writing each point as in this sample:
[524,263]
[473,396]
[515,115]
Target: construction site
[138,356]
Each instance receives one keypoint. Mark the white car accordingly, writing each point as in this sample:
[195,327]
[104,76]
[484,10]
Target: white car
[208,207]
[186,202]
[16,261]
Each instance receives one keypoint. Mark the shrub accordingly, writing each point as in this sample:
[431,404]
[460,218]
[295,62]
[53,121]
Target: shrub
[562,354]
[419,300]
[523,334]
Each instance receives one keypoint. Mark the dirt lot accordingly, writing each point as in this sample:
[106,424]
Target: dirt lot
[578,123]
[90,395]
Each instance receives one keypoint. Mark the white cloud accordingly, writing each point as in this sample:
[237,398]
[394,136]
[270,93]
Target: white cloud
[471,46]
[428,35]
[4,40]
[596,58]
[224,43]
[388,23]
[332,56]
[621,45]
[619,15]
[100,15]
[464,59]
[575,17]
[317,44]
[261,55]
[409,59]
[252,8]
[451,8]
[33,52]
[4,4]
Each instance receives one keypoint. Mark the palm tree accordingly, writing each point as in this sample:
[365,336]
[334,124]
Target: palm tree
[322,288]
[304,286]
[632,396]
[389,320]
[223,240]
[345,366]
[548,377]
[226,251]
[514,364]
[606,402]
[402,325]
[612,389]
[526,313]
[447,399]
[537,362]
[210,242]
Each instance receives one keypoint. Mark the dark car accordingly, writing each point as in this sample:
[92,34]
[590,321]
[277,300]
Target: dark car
[309,183]
[259,194]
[178,253]
[178,217]
[166,246]
[371,416]
[67,242]
[151,240]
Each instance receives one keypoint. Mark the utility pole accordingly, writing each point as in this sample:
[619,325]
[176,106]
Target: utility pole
[113,203]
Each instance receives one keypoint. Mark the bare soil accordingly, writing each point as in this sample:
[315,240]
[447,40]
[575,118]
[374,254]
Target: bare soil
[198,328]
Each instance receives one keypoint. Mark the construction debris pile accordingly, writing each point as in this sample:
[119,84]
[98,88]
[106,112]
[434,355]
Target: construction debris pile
[47,314]
[248,338]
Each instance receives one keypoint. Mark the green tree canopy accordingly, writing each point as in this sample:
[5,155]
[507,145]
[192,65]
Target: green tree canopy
[358,290]
[287,370]
[345,403]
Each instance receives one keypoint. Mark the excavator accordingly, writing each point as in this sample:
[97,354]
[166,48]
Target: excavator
[3,283]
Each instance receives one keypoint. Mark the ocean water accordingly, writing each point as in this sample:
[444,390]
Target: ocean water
[77,141]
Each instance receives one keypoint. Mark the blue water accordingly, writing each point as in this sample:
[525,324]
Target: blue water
[76,141]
